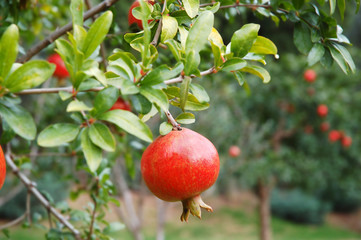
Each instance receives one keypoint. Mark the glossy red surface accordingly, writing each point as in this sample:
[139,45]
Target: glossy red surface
[2,168]
[121,104]
[132,19]
[180,165]
[60,70]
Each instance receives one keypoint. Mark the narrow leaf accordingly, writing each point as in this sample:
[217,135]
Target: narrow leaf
[165,128]
[263,45]
[76,9]
[233,64]
[92,153]
[199,92]
[169,28]
[258,71]
[29,75]
[58,134]
[186,118]
[105,99]
[155,96]
[302,38]
[77,106]
[101,136]
[332,6]
[191,7]
[97,33]
[184,89]
[129,123]
[315,54]
[8,50]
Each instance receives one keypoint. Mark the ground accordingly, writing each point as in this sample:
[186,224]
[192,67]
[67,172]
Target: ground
[234,217]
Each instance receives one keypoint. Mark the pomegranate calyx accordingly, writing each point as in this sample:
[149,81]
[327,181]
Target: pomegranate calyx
[193,206]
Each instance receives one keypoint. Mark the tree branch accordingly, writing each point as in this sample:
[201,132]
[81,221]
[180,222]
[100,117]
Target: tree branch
[95,209]
[61,31]
[97,89]
[34,191]
[159,29]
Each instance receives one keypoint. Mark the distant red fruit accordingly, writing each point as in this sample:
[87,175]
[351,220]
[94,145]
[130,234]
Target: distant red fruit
[121,104]
[308,129]
[234,151]
[324,126]
[60,70]
[311,91]
[346,141]
[322,110]
[334,136]
[132,19]
[310,75]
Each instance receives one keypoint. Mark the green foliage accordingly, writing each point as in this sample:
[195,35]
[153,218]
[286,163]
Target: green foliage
[297,206]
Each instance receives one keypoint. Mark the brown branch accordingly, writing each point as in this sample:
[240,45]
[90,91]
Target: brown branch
[35,192]
[171,119]
[159,29]
[61,31]
[97,89]
[13,223]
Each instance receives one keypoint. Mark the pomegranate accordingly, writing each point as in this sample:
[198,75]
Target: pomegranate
[324,126]
[179,167]
[234,151]
[334,135]
[132,19]
[346,141]
[310,75]
[322,110]
[121,104]
[60,70]
[2,168]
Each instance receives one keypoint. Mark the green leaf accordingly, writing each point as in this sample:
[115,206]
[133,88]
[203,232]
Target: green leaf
[217,54]
[104,100]
[141,104]
[165,128]
[58,134]
[101,136]
[77,106]
[315,54]
[7,133]
[184,89]
[66,52]
[186,118]
[199,92]
[191,7]
[243,39]
[175,48]
[332,6]
[8,50]
[160,74]
[76,9]
[341,7]
[169,28]
[155,96]
[240,78]
[93,154]
[233,64]
[341,60]
[199,32]
[91,68]
[302,38]
[19,120]
[97,33]
[192,104]
[263,45]
[191,63]
[346,56]
[216,38]
[121,63]
[29,75]
[129,123]
[65,95]
[127,87]
[258,71]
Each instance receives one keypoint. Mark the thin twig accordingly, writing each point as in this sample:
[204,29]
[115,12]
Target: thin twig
[159,29]
[28,206]
[176,126]
[61,31]
[13,223]
[35,192]
[97,89]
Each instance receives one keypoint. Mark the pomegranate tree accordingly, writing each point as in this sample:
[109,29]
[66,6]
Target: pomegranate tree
[179,167]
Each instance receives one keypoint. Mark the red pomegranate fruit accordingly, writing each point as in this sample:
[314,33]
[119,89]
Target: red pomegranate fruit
[334,135]
[234,151]
[2,168]
[324,126]
[179,167]
[346,141]
[322,110]
[60,70]
[121,104]
[132,19]
[310,75]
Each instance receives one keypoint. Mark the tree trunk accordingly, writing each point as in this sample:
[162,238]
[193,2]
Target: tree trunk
[264,211]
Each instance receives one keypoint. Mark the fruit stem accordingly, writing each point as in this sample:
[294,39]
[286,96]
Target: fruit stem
[176,126]
[193,206]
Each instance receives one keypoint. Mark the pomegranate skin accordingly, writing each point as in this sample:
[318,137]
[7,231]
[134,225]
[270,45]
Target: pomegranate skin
[60,70]
[2,168]
[121,104]
[180,165]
